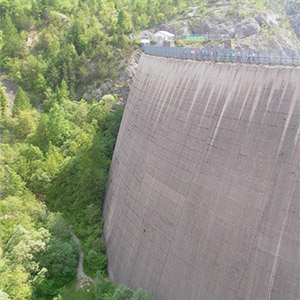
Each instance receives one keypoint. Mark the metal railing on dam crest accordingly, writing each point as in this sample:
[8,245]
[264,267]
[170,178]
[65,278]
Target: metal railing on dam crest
[224,55]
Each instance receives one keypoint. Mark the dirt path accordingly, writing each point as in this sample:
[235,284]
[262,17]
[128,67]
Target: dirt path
[82,278]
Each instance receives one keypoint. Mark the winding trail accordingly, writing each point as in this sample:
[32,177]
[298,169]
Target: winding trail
[82,278]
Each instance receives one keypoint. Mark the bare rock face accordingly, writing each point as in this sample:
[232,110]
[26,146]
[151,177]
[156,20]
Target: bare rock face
[10,88]
[122,87]
[268,18]
[244,25]
[225,29]
[127,75]
[218,21]
[177,28]
[98,93]
[203,196]
[246,28]
[293,11]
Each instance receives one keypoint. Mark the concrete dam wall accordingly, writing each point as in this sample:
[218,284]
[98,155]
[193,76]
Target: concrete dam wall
[204,195]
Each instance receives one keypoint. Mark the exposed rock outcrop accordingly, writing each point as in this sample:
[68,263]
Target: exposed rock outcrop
[122,86]
[292,8]
[246,28]
[10,88]
[244,25]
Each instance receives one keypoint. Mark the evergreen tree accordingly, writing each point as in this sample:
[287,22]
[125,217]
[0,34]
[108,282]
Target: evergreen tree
[41,84]
[76,36]
[58,127]
[3,100]
[1,39]
[25,124]
[72,83]
[21,102]
[40,137]
[122,20]
[14,44]
[55,76]
[62,93]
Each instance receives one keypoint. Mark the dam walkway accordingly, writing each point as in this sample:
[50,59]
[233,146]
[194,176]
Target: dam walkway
[224,55]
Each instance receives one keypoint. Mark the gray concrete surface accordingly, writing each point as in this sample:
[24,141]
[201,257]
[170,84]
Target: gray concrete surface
[203,199]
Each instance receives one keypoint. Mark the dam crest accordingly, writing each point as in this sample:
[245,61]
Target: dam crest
[203,197]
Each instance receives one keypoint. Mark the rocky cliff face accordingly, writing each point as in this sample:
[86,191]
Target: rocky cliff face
[292,9]
[10,88]
[122,86]
[258,25]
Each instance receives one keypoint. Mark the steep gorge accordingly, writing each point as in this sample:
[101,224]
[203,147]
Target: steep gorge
[203,198]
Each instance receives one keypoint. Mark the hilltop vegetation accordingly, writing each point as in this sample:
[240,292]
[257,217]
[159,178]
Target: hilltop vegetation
[47,41]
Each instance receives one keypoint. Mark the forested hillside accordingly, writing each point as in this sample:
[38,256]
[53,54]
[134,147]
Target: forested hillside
[56,148]
[46,41]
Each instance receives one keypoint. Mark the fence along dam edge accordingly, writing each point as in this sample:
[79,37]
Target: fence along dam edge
[271,57]
[203,196]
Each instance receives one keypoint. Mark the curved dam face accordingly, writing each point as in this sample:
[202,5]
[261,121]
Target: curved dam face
[204,195]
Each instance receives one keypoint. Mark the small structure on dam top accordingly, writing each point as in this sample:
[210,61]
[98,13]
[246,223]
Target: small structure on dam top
[203,201]
[162,38]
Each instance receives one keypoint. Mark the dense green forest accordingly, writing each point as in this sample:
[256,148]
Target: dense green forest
[56,148]
[44,42]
